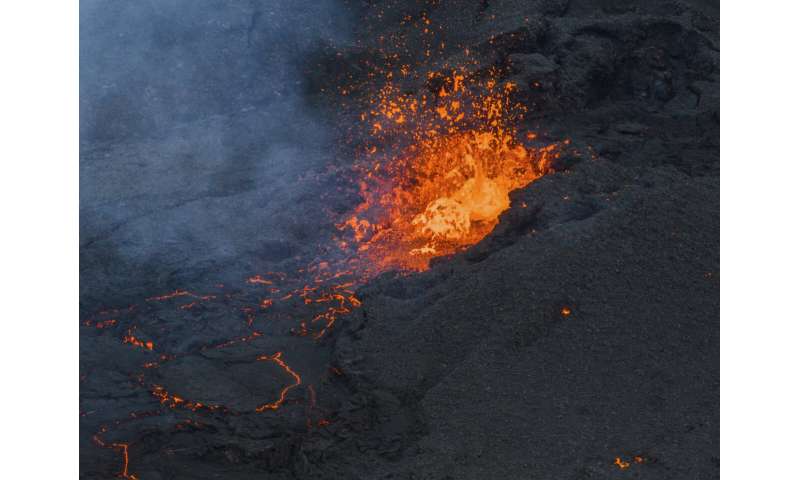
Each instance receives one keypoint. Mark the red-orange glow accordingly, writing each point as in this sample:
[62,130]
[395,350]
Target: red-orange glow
[130,338]
[124,473]
[175,401]
[566,311]
[97,439]
[101,324]
[622,464]
[179,293]
[297,381]
[312,397]
[257,279]
[443,185]
[343,303]
[253,335]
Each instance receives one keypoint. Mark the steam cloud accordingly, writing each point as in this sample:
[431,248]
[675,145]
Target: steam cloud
[195,132]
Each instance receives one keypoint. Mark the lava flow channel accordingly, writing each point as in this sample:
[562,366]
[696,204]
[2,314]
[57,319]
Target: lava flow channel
[442,175]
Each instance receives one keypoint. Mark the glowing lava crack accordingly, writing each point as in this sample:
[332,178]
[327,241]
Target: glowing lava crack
[297,381]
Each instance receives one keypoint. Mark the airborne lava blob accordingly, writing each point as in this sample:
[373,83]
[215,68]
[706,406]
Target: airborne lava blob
[450,158]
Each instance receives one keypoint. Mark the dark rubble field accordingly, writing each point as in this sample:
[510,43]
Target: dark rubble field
[579,340]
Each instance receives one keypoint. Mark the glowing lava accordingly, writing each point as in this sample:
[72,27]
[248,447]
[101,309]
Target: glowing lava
[97,439]
[297,381]
[452,157]
[622,464]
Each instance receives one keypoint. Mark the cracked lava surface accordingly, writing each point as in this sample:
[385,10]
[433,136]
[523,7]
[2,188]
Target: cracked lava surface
[433,264]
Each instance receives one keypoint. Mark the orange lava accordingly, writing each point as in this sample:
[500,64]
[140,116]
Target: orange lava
[179,293]
[97,439]
[257,279]
[175,401]
[449,161]
[172,400]
[297,381]
[131,339]
[101,324]
[253,335]
[124,473]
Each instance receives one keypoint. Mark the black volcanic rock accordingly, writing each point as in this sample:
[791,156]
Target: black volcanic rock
[511,387]
[579,340]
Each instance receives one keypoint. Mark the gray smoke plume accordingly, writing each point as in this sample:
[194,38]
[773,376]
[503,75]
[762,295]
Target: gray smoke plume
[196,137]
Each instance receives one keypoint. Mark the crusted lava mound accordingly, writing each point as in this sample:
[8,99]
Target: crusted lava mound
[578,339]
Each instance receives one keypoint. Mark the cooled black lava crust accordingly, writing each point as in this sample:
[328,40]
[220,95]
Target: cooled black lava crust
[579,340]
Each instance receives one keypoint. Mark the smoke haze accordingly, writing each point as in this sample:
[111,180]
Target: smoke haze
[195,136]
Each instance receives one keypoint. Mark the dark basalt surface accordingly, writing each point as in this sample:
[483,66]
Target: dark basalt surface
[470,370]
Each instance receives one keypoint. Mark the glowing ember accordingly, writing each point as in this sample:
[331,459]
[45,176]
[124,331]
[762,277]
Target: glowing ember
[452,157]
[130,338]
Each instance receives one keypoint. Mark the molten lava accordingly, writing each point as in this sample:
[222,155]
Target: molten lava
[297,381]
[451,158]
